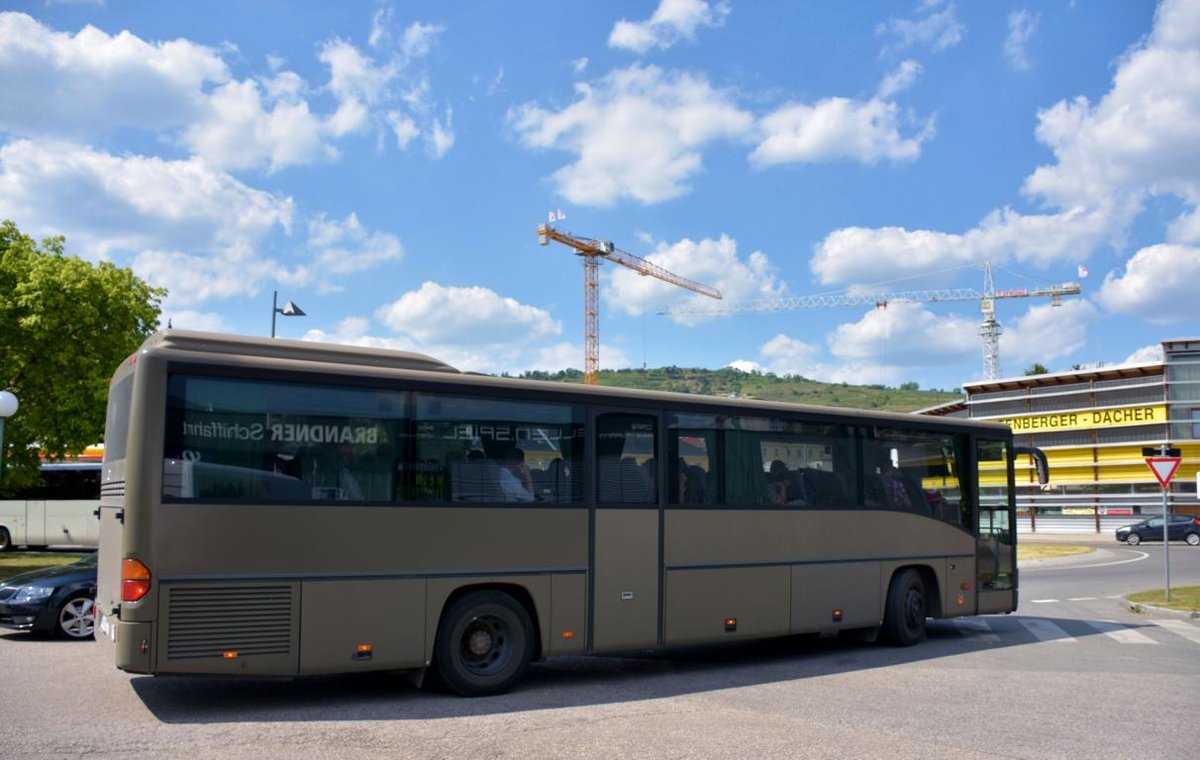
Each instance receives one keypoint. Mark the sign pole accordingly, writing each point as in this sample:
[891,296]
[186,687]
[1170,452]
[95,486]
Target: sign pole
[1164,463]
[1166,543]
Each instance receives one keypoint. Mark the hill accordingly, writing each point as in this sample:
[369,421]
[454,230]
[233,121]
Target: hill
[767,386]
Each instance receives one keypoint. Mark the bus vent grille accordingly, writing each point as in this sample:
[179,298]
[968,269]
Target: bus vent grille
[112,490]
[208,621]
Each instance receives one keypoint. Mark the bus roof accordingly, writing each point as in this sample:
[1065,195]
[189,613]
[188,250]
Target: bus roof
[282,348]
[311,351]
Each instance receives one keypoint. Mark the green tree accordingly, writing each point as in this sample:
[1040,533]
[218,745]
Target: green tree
[1036,369]
[65,326]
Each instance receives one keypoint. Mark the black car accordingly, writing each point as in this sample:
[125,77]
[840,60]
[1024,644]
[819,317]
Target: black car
[1180,528]
[54,600]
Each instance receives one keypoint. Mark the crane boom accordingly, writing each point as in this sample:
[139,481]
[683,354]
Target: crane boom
[592,250]
[990,329]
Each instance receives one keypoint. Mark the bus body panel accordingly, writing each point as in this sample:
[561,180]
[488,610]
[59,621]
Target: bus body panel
[568,615]
[339,618]
[13,519]
[715,604]
[626,580]
[853,589]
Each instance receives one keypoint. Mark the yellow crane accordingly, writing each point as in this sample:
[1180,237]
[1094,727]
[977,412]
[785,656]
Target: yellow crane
[990,329]
[592,250]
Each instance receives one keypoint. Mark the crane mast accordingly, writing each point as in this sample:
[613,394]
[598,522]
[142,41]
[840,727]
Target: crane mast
[989,329]
[592,250]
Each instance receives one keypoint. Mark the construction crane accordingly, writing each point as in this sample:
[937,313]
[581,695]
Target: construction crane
[592,251]
[990,329]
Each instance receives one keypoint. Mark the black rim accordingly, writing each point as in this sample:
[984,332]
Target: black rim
[914,608]
[486,645]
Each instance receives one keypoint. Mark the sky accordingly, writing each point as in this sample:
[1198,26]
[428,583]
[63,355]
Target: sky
[384,165]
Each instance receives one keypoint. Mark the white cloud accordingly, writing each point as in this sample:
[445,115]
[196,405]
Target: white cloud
[936,31]
[789,354]
[437,314]
[1146,355]
[672,21]
[1045,333]
[185,319]
[860,254]
[84,86]
[106,203]
[1021,26]
[839,128]
[240,133]
[1153,278]
[487,333]
[441,136]
[710,262]
[745,365]
[345,247]
[183,225]
[637,133]
[77,86]
[906,334]
[419,39]
[1143,137]
[901,79]
[196,278]
[403,128]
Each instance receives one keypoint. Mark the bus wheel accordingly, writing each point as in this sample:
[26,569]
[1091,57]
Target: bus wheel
[75,618]
[484,644]
[904,618]
[5,540]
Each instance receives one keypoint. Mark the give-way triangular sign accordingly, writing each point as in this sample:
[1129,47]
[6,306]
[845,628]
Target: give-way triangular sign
[1164,468]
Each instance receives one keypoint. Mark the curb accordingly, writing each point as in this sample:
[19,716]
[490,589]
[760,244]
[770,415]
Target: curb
[1140,607]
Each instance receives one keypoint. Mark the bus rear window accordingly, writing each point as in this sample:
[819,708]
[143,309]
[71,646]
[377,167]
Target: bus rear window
[116,424]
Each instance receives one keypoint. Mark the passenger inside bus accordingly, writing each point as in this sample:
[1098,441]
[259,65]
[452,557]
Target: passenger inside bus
[515,481]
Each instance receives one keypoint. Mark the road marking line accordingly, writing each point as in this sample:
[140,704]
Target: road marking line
[1043,601]
[1044,630]
[1141,556]
[1186,630]
[1121,633]
[1082,599]
[975,630]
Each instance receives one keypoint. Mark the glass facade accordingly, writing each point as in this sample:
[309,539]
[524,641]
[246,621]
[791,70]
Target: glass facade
[1093,425]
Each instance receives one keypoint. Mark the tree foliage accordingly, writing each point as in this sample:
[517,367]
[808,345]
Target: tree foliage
[65,326]
[1036,369]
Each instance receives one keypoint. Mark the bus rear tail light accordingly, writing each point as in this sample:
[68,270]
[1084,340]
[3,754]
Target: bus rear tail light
[135,580]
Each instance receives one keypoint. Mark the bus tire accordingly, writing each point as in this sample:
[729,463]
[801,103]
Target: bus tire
[484,644]
[5,540]
[904,616]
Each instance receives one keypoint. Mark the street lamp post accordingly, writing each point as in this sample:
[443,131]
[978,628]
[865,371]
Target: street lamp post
[289,309]
[8,407]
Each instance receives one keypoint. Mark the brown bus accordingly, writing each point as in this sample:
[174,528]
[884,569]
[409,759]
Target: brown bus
[274,507]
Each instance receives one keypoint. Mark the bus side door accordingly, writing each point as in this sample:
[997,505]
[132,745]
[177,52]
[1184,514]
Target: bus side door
[626,523]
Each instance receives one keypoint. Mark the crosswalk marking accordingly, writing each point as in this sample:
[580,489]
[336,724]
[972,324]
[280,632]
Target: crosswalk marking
[975,629]
[992,630]
[1121,633]
[1186,630]
[1044,630]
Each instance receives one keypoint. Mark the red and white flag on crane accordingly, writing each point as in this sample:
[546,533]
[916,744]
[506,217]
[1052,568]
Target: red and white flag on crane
[557,216]
[1082,271]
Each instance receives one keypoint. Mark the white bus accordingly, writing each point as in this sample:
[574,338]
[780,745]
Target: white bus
[60,509]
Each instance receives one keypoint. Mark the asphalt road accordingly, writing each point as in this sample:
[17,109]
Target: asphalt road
[1074,673]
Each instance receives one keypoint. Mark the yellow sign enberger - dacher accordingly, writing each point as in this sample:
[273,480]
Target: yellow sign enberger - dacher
[1087,418]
